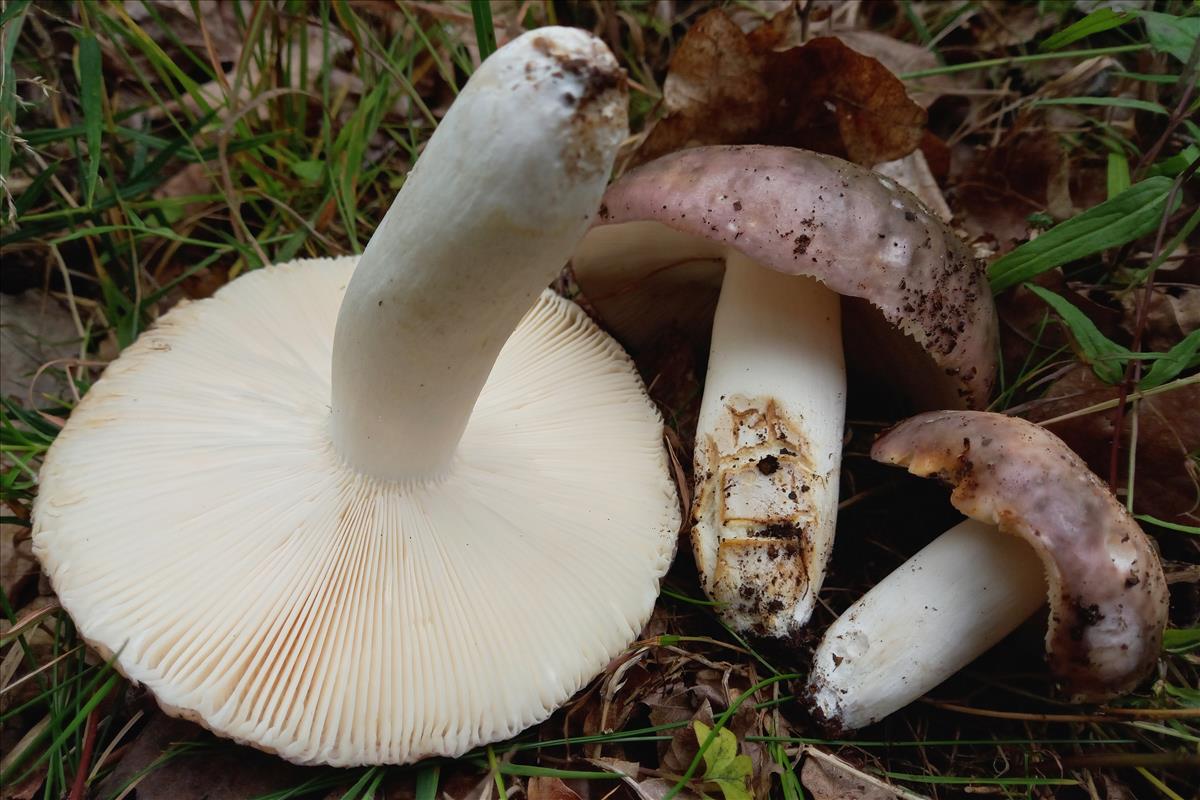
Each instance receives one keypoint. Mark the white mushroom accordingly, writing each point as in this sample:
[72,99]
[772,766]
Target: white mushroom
[416,535]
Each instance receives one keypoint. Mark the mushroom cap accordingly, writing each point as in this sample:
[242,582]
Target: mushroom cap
[1108,597]
[657,250]
[199,527]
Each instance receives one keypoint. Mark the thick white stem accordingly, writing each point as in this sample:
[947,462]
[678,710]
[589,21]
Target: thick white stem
[932,616]
[505,188]
[768,447]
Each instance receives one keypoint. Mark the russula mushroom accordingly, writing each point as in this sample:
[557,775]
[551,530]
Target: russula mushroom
[783,233]
[337,511]
[1040,524]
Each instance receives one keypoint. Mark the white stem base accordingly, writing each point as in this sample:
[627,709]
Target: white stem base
[768,447]
[932,616]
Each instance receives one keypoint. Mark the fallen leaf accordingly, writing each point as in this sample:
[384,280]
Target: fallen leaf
[1165,485]
[18,567]
[999,188]
[830,778]
[1003,25]
[726,87]
[540,788]
[1173,313]
[900,58]
[714,92]
[224,771]
[34,329]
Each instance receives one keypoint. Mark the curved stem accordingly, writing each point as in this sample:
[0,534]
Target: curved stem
[502,193]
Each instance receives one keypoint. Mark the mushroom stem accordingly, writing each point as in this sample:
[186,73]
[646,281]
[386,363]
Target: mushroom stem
[768,446]
[936,613]
[452,268]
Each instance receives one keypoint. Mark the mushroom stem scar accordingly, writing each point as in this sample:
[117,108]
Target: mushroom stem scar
[768,447]
[933,615]
[452,269]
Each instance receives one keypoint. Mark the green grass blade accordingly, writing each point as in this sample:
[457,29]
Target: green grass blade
[1118,174]
[1098,21]
[12,10]
[427,782]
[1001,62]
[1181,640]
[10,33]
[1113,102]
[1128,216]
[485,32]
[1171,526]
[91,90]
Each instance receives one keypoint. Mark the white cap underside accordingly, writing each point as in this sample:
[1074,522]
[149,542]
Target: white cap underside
[196,522]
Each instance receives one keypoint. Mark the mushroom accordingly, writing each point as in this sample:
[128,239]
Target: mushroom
[368,510]
[1040,524]
[783,233]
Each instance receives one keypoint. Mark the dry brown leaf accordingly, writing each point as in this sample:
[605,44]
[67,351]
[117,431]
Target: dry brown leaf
[549,789]
[830,778]
[727,87]
[225,773]
[1000,187]
[1174,312]
[18,567]
[900,58]
[1168,430]
[34,329]
[1001,25]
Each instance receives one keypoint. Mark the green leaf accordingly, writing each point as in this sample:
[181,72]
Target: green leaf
[722,765]
[1116,102]
[91,88]
[309,171]
[1177,163]
[1171,34]
[1180,357]
[1106,357]
[1118,174]
[1181,640]
[1100,20]
[1130,215]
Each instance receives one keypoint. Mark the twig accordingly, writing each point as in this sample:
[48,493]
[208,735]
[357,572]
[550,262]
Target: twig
[1103,715]
[89,744]
[1095,760]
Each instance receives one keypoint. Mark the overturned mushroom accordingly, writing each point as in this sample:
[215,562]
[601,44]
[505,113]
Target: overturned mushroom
[369,510]
[783,233]
[1040,524]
